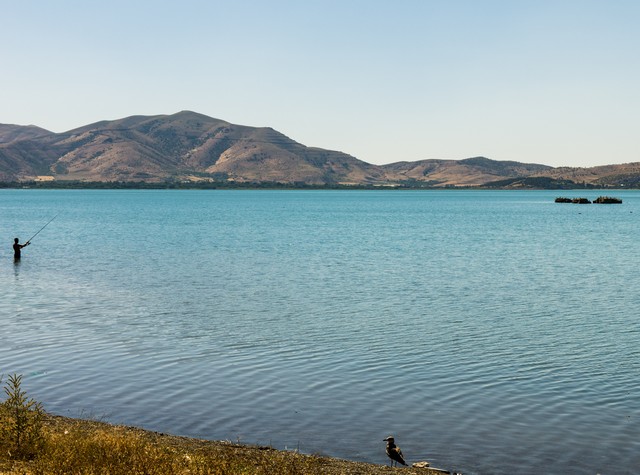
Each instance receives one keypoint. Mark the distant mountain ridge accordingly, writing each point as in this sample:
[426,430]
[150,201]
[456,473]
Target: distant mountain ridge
[188,146]
[476,171]
[182,146]
[11,132]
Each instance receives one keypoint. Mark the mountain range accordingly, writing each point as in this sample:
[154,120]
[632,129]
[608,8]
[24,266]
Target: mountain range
[191,147]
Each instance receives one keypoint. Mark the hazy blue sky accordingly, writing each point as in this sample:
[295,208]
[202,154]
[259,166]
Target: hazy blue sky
[554,82]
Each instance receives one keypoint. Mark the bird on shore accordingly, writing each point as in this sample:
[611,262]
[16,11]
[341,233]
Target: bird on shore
[394,452]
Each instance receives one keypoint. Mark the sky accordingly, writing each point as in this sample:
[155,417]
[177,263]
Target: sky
[555,82]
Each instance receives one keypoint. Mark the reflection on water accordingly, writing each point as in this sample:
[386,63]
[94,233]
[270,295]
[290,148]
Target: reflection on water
[490,332]
[16,267]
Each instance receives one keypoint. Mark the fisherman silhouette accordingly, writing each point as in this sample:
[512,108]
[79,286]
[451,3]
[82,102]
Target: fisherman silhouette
[17,247]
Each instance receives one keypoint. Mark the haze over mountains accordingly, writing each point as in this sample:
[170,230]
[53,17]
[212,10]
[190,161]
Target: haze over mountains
[188,146]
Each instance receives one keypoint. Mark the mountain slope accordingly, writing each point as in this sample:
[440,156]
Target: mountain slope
[188,146]
[626,174]
[155,148]
[11,132]
[468,172]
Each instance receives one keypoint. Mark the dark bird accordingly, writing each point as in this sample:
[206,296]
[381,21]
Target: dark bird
[394,452]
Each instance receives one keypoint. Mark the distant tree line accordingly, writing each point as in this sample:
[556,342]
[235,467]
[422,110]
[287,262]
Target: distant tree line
[540,183]
[178,185]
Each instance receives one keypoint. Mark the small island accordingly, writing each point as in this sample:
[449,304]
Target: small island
[607,200]
[584,201]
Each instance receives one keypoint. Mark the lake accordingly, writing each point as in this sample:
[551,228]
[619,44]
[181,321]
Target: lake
[491,332]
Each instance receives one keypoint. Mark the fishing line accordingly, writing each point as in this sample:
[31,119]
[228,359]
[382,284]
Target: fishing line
[29,240]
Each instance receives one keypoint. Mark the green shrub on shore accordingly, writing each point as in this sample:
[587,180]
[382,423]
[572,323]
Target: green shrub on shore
[21,435]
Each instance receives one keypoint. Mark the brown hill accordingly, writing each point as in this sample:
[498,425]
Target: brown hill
[181,146]
[626,174]
[11,132]
[22,154]
[192,147]
[468,172]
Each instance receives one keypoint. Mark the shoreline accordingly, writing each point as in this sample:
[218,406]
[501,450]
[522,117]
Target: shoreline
[265,459]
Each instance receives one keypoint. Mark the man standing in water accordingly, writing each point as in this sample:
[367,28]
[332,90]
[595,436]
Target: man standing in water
[17,247]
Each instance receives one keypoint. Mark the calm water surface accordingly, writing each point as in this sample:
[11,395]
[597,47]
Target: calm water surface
[490,332]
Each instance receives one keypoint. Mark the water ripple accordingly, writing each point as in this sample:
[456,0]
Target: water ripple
[488,331]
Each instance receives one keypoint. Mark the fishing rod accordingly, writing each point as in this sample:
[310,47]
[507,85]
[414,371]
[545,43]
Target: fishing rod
[29,241]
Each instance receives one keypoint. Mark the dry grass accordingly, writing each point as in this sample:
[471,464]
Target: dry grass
[81,447]
[35,443]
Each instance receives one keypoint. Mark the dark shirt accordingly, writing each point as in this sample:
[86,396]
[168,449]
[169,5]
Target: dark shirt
[16,250]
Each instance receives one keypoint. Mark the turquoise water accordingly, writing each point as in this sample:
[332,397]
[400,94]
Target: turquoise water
[491,332]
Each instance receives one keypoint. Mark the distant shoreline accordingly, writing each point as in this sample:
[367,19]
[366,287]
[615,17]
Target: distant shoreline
[225,185]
